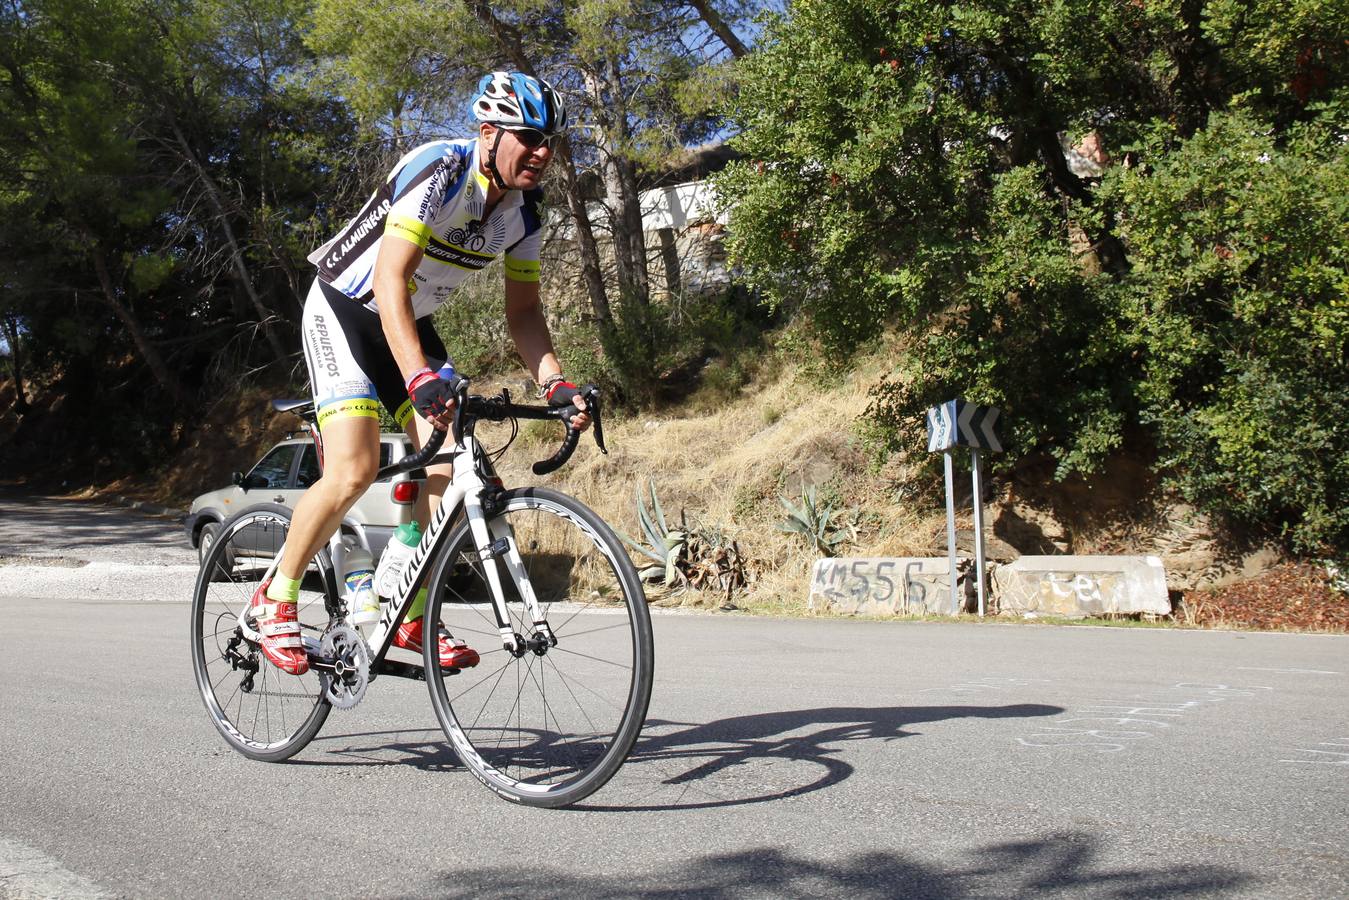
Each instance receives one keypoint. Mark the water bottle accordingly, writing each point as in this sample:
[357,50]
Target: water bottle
[358,574]
[395,558]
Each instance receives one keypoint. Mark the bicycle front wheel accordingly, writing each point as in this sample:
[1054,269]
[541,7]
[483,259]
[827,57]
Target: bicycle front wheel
[261,711]
[552,725]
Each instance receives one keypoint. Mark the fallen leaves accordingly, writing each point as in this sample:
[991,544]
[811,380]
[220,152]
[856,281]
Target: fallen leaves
[1292,597]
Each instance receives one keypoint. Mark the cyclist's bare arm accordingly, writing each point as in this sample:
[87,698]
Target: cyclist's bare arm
[397,260]
[529,330]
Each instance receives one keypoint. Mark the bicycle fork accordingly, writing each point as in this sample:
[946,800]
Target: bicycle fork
[496,540]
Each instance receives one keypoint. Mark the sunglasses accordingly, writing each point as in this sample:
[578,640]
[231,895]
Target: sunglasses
[532,138]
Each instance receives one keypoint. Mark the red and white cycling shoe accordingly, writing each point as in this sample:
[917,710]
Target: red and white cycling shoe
[454,653]
[280,629]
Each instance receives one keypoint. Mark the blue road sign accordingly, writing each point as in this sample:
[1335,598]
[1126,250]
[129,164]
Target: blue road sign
[957,423]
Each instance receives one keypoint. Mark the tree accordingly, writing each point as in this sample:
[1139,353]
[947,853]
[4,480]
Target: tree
[13,344]
[994,181]
[75,179]
[631,74]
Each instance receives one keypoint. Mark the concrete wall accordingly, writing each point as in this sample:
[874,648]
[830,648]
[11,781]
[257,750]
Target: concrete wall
[1068,586]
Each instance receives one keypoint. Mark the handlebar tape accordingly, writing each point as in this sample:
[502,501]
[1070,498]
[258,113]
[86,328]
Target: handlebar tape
[558,459]
[424,455]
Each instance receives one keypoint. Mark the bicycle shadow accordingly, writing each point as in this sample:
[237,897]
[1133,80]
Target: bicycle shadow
[432,754]
[1068,863]
[766,739]
[687,755]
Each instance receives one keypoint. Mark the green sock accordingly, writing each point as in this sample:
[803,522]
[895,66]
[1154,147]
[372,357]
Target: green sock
[283,589]
[417,608]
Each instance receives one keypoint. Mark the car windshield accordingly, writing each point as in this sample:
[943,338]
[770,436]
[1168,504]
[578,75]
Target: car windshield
[273,470]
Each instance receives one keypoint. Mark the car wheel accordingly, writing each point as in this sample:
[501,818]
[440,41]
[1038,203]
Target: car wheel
[209,532]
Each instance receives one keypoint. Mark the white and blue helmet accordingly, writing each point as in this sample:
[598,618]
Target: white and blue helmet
[517,100]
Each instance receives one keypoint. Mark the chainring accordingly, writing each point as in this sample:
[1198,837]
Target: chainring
[348,649]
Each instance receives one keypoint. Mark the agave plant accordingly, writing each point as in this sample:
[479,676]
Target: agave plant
[814,523]
[663,545]
[714,561]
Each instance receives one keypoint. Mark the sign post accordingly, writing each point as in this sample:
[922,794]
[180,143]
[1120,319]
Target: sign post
[951,527]
[957,423]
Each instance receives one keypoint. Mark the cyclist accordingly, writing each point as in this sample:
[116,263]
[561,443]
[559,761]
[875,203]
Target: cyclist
[447,209]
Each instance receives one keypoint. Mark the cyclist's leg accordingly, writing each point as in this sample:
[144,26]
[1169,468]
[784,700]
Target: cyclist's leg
[350,461]
[437,477]
[348,416]
[345,352]
[453,653]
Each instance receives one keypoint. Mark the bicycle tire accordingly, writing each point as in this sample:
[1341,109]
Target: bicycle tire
[209,531]
[254,716]
[526,746]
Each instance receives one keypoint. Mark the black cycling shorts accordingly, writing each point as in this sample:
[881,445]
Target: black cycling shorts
[351,368]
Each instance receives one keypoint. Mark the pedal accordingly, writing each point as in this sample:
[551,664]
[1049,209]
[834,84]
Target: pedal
[500,547]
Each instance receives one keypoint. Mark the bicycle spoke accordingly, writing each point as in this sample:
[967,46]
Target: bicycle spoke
[552,725]
[575,634]
[281,712]
[608,662]
[601,697]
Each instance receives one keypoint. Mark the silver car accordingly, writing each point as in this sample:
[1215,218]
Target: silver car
[282,475]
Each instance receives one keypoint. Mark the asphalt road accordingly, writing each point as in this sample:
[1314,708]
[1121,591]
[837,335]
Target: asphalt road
[782,759]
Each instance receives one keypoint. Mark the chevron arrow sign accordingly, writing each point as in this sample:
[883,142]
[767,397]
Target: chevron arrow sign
[975,424]
[957,423]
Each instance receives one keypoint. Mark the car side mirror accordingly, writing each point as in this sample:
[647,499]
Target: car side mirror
[237,478]
[247,482]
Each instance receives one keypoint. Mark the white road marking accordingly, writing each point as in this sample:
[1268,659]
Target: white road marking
[1289,671]
[28,874]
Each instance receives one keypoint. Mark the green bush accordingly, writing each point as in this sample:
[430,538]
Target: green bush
[1240,307]
[473,324]
[659,352]
[912,165]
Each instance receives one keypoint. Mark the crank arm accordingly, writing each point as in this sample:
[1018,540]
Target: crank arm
[410,671]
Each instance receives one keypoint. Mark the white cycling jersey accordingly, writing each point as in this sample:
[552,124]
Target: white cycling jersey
[435,198]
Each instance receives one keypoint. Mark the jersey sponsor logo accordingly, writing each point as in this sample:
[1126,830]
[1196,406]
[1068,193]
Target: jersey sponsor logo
[522,269]
[456,256]
[468,237]
[351,407]
[434,188]
[359,230]
[322,344]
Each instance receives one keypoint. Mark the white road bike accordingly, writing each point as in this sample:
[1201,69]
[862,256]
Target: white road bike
[531,578]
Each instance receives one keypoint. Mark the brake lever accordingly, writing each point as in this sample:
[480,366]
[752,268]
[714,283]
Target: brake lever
[592,399]
[459,384]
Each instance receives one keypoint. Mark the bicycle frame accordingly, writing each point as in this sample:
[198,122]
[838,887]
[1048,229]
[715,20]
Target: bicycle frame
[472,482]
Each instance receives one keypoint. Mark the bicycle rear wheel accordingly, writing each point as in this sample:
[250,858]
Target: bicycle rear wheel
[261,712]
[550,727]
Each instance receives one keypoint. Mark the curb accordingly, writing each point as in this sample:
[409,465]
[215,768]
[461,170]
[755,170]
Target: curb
[151,508]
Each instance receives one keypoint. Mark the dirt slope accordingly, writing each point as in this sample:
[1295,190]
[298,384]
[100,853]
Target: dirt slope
[721,462]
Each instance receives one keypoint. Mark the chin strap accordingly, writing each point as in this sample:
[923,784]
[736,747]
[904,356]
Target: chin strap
[492,160]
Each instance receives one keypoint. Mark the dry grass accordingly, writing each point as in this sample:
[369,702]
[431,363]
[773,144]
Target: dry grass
[726,465]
